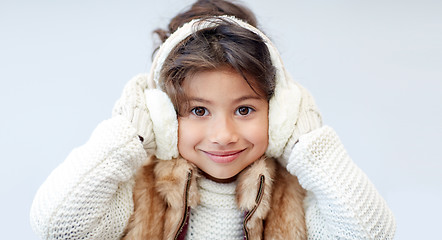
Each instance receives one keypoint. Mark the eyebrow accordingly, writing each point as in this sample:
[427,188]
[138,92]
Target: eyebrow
[240,99]
[248,97]
[202,100]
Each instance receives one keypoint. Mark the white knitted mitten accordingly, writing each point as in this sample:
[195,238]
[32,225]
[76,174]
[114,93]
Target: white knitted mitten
[341,201]
[309,119]
[132,105]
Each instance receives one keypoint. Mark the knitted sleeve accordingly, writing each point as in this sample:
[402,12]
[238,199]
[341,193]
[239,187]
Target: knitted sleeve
[341,201]
[89,196]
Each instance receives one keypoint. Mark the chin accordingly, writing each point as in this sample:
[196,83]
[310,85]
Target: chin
[220,178]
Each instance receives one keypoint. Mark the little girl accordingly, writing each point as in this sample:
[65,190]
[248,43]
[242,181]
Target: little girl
[217,142]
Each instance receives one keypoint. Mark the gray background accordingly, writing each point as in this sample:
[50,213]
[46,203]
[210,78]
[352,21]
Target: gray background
[374,68]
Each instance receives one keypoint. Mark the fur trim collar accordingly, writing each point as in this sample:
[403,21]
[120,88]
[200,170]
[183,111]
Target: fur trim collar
[166,190]
[258,177]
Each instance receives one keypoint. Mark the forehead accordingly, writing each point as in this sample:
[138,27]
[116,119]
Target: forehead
[223,81]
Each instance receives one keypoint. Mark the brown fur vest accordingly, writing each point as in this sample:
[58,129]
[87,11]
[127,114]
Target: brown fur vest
[165,191]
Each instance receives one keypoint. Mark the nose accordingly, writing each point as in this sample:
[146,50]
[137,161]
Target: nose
[224,131]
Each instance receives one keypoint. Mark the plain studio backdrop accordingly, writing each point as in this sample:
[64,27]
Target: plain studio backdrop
[374,68]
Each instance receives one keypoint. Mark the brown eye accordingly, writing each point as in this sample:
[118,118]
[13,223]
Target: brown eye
[199,111]
[244,111]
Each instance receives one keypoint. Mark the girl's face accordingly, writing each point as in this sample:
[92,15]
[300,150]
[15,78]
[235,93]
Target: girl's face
[226,128]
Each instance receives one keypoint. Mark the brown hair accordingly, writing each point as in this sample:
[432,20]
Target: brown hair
[227,44]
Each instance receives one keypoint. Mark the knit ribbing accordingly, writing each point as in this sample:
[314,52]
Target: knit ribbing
[217,216]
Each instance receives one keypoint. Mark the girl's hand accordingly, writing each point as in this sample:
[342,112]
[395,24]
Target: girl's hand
[132,105]
[309,119]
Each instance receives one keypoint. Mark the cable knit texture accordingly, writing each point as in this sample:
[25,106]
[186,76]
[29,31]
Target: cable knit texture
[341,202]
[132,105]
[217,216]
[309,119]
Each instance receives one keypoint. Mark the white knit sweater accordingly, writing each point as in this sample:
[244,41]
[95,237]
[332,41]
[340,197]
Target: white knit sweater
[217,216]
[89,196]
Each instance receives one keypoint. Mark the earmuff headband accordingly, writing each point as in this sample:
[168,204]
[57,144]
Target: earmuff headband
[283,105]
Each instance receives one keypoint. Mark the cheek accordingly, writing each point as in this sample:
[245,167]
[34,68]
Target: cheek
[263,135]
[258,132]
[187,135]
[181,134]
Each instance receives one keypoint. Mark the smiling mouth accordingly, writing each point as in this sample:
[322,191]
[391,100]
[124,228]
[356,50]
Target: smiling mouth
[223,156]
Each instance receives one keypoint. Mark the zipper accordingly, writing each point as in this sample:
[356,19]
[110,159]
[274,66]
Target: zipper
[257,201]
[186,205]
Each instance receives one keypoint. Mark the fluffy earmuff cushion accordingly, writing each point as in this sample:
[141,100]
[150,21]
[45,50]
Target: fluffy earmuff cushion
[165,123]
